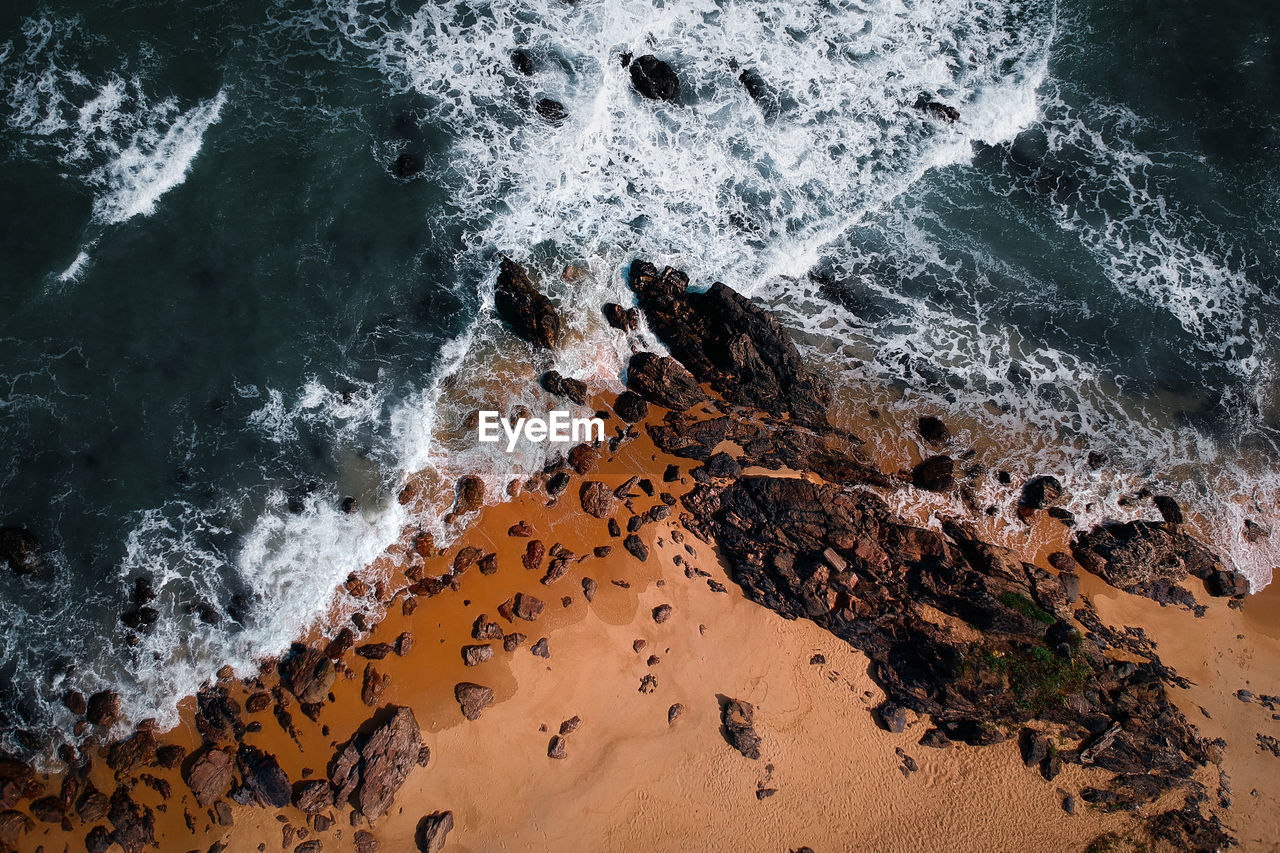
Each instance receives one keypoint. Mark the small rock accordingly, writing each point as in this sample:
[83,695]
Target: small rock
[478,654]
[473,698]
[661,613]
[542,648]
[674,712]
[432,831]
[556,748]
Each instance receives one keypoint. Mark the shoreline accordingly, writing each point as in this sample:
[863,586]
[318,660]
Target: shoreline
[495,777]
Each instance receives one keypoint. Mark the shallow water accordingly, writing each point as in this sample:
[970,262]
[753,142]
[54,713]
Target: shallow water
[221,300]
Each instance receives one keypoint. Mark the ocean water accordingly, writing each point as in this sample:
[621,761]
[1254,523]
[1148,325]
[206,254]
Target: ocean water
[224,312]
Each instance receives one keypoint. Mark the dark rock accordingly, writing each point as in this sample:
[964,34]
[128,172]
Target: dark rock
[527,607]
[1040,492]
[732,344]
[1034,746]
[432,831]
[671,474]
[553,111]
[133,753]
[523,63]
[14,824]
[47,810]
[483,629]
[340,644]
[470,495]
[262,775]
[937,474]
[937,110]
[542,648]
[21,550]
[674,712]
[570,725]
[521,529]
[934,431]
[636,547]
[473,698]
[556,748]
[375,651]
[75,702]
[1169,509]
[404,642]
[529,313]
[631,407]
[1227,583]
[557,483]
[619,317]
[662,380]
[654,79]
[103,708]
[893,717]
[1255,532]
[512,641]
[134,825]
[661,613]
[597,499]
[1145,558]
[614,529]
[738,718]
[373,685]
[589,586]
[574,390]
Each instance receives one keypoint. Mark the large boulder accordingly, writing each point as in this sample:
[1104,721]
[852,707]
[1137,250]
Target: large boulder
[597,499]
[472,698]
[726,340]
[308,674]
[528,311]
[1146,558]
[134,824]
[663,380]
[432,830]
[654,79]
[369,769]
[263,777]
[209,776]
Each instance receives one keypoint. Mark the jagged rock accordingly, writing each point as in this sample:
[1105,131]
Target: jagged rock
[92,805]
[14,824]
[636,547]
[133,753]
[209,776]
[631,407]
[370,769]
[738,718]
[937,474]
[1034,746]
[522,62]
[1145,558]
[217,715]
[473,698]
[262,775]
[476,655]
[619,317]
[313,797]
[661,613]
[662,380]
[483,629]
[365,842]
[674,712]
[597,499]
[104,708]
[470,495]
[574,390]
[654,79]
[521,529]
[583,458]
[570,725]
[542,648]
[529,313]
[308,674]
[556,748]
[375,651]
[134,825]
[342,643]
[21,550]
[432,831]
[1169,509]
[727,341]
[589,587]
[404,643]
[1227,583]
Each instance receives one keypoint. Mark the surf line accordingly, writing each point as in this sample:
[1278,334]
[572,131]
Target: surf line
[558,427]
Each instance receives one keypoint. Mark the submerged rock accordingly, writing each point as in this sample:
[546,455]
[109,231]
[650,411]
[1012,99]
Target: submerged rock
[21,550]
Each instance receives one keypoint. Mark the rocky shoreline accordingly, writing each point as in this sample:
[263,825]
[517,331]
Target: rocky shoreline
[984,645]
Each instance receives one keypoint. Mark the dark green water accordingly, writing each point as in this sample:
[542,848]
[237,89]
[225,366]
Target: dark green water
[223,312]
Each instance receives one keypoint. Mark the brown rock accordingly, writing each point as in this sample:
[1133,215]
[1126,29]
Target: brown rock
[470,495]
[473,698]
[379,763]
[313,796]
[341,644]
[476,655]
[103,708]
[308,674]
[527,607]
[542,648]
[512,641]
[373,685]
[521,529]
[404,643]
[661,613]
[209,776]
[365,842]
[589,589]
[674,712]
[533,553]
[375,651]
[262,775]
[529,313]
[556,748]
[738,718]
[432,830]
[597,499]
[14,824]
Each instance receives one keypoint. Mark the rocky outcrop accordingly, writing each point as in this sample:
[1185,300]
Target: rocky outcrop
[1148,558]
[663,380]
[654,79]
[524,308]
[307,673]
[574,390]
[370,768]
[726,340]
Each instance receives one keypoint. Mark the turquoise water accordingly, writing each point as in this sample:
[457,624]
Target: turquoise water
[224,311]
